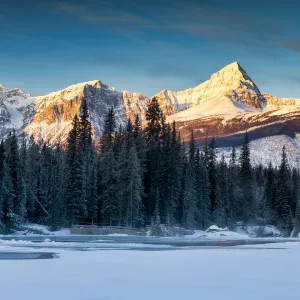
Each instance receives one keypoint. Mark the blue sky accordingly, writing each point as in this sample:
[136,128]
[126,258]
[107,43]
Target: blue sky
[146,46]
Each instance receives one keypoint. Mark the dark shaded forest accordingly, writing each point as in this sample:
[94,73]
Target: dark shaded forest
[141,176]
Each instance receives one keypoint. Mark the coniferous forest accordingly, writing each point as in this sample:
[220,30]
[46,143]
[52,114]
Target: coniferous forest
[141,176]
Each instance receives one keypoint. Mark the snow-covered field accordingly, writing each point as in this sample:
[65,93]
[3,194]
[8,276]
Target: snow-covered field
[236,273]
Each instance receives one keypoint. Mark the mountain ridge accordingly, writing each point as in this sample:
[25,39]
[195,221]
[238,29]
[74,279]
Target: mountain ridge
[225,104]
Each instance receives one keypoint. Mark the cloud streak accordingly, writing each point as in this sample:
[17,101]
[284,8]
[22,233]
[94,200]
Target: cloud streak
[189,19]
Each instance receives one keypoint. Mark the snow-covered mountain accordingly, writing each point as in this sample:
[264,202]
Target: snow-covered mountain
[230,103]
[53,113]
[49,117]
[232,82]
[224,107]
[16,110]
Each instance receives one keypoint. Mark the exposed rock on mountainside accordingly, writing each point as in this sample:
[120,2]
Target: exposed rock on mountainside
[224,107]
[54,112]
[230,103]
[232,82]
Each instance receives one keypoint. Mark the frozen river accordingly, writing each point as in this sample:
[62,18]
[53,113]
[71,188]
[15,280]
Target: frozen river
[85,268]
[129,242]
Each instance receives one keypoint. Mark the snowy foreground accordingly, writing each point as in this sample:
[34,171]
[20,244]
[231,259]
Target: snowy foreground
[268,271]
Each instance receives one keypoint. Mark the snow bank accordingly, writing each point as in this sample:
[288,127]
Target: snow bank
[36,229]
[255,231]
[215,232]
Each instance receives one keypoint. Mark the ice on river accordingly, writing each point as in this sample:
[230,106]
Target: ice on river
[268,271]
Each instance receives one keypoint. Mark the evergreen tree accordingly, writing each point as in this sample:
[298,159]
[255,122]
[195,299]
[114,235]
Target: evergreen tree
[174,176]
[153,134]
[140,141]
[107,140]
[202,190]
[130,182]
[18,185]
[2,159]
[153,116]
[75,193]
[89,161]
[85,128]
[55,205]
[233,158]
[190,190]
[212,172]
[6,200]
[246,187]
[295,190]
[33,163]
[283,195]
[165,170]
[222,196]
[296,230]
[270,193]
[109,173]
[156,229]
[234,191]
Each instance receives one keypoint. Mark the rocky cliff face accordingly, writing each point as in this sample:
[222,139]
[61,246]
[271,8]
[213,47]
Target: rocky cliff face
[232,82]
[53,113]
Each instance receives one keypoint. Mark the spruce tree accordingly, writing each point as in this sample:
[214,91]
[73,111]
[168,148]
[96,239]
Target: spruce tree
[89,161]
[2,159]
[283,195]
[130,182]
[75,193]
[212,172]
[246,183]
[18,184]
[153,133]
[234,191]
[6,200]
[295,190]
[222,196]
[55,205]
[33,163]
[296,230]
[107,140]
[190,189]
[270,193]
[109,173]
[203,191]
[174,176]
[156,229]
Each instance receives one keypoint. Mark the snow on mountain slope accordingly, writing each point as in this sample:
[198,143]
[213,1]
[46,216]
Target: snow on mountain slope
[225,105]
[229,103]
[232,82]
[268,150]
[221,106]
[54,112]
[15,109]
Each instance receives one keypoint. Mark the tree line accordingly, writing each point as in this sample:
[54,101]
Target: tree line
[141,176]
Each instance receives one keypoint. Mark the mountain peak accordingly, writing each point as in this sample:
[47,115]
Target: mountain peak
[231,82]
[234,69]
[233,65]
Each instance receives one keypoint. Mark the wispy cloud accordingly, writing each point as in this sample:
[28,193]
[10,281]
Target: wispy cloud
[116,20]
[293,44]
[195,20]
